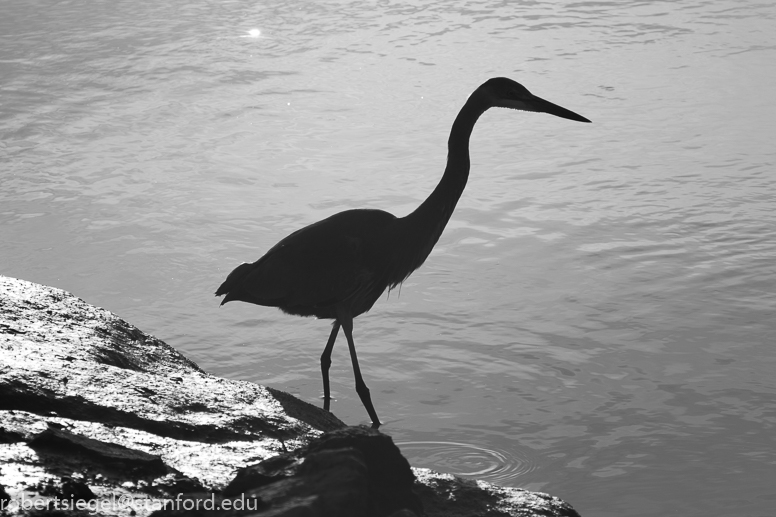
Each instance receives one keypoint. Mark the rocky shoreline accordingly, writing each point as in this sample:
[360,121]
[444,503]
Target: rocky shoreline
[100,418]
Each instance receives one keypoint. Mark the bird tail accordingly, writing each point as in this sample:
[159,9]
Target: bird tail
[233,281]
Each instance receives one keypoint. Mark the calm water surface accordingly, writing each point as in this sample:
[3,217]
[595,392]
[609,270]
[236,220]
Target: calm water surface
[597,320]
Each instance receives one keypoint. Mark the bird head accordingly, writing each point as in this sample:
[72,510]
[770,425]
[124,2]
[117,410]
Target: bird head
[501,92]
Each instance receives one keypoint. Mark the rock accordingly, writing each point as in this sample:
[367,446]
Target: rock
[72,447]
[4,499]
[75,490]
[98,417]
[83,391]
[445,495]
[350,472]
[358,472]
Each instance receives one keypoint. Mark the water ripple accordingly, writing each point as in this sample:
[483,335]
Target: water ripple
[468,460]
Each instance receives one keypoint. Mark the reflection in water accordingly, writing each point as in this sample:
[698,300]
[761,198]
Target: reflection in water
[604,297]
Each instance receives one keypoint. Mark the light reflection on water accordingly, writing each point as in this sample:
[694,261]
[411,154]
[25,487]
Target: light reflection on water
[599,307]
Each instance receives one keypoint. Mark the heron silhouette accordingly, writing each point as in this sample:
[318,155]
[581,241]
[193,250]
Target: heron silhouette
[338,267]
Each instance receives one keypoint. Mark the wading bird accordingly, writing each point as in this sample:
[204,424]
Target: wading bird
[338,267]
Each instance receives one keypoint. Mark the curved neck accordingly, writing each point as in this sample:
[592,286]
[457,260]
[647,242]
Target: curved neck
[412,237]
[432,215]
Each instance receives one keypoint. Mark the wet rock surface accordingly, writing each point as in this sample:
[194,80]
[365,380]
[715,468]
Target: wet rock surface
[100,418]
[354,470]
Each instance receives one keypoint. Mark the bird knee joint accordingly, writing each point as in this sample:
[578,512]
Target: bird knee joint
[361,389]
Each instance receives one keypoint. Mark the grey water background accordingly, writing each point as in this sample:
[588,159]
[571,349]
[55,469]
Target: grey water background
[596,322]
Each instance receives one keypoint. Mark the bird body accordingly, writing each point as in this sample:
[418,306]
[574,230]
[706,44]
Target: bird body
[351,246]
[338,267]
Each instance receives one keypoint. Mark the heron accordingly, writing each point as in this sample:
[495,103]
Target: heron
[338,267]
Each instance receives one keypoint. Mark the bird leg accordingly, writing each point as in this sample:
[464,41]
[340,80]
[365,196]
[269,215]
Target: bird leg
[326,363]
[363,392]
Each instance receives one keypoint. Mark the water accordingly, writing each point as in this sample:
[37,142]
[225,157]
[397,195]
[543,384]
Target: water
[596,321]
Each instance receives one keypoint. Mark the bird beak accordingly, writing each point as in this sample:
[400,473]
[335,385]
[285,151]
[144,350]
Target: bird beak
[541,105]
